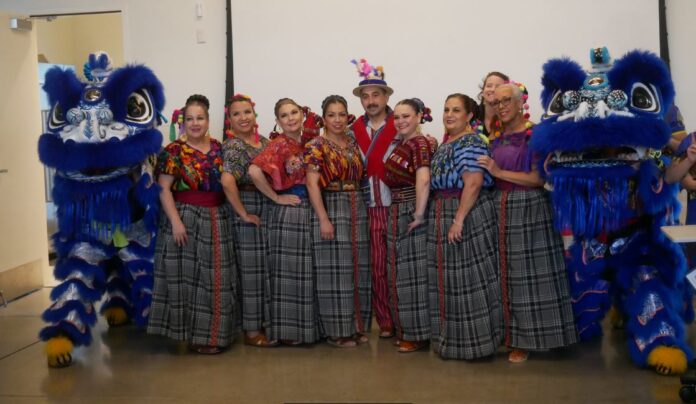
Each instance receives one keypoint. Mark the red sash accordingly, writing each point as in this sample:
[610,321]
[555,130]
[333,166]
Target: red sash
[374,153]
[200,198]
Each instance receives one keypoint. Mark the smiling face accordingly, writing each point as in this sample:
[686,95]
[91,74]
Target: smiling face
[336,118]
[455,117]
[406,120]
[196,121]
[290,118]
[242,118]
[489,86]
[374,100]
[507,106]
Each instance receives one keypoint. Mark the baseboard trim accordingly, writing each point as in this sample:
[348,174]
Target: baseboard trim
[21,280]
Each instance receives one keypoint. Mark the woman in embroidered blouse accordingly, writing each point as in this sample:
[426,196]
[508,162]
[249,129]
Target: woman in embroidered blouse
[195,269]
[536,299]
[466,313]
[339,229]
[278,172]
[407,173]
[241,147]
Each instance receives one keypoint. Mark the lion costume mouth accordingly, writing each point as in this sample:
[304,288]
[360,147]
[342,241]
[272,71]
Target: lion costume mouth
[597,157]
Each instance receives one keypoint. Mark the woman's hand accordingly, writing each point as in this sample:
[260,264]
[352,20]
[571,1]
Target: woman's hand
[288,199]
[417,221]
[179,233]
[489,164]
[248,218]
[455,232]
[326,229]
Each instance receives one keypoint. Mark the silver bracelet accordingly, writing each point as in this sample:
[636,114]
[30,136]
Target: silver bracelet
[418,218]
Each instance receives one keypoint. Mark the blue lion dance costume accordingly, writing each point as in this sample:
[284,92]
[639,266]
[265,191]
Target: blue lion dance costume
[602,134]
[102,140]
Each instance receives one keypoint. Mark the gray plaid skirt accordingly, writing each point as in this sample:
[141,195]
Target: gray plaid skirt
[195,285]
[251,244]
[407,274]
[294,314]
[536,298]
[342,266]
[465,303]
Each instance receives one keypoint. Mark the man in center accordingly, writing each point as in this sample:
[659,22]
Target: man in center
[375,132]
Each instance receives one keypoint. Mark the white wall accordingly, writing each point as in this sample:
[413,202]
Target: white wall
[681,31]
[302,48]
[162,35]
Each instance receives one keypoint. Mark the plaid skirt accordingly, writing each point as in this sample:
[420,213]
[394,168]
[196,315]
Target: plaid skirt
[251,245]
[465,303]
[342,266]
[536,298]
[195,286]
[294,314]
[407,274]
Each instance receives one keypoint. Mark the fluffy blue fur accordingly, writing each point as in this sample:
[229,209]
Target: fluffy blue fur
[560,74]
[125,81]
[64,266]
[91,210]
[549,136]
[645,67]
[65,329]
[148,195]
[92,295]
[54,315]
[72,156]
[617,202]
[62,87]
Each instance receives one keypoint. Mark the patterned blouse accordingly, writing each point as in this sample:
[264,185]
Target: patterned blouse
[401,165]
[333,162]
[238,155]
[192,169]
[281,160]
[453,159]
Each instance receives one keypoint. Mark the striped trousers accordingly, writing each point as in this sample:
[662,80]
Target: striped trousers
[379,217]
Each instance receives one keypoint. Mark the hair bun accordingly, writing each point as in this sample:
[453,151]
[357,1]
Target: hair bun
[198,99]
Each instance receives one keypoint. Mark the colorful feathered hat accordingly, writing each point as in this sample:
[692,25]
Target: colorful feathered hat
[371,76]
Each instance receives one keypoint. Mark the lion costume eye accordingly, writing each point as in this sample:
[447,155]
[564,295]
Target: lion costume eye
[556,104]
[139,109]
[645,98]
[56,119]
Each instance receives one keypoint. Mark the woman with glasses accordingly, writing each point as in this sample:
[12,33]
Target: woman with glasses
[536,299]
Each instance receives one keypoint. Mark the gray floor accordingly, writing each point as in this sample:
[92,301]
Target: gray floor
[125,365]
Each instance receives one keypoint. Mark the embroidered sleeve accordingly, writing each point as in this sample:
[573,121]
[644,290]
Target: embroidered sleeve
[236,158]
[421,152]
[466,155]
[314,155]
[168,161]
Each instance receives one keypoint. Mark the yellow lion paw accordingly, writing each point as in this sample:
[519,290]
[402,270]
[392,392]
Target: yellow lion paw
[116,316]
[616,318]
[59,352]
[667,360]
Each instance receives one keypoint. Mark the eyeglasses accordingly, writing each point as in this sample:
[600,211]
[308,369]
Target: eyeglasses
[503,102]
